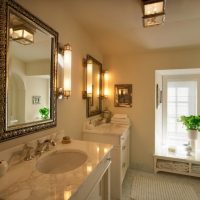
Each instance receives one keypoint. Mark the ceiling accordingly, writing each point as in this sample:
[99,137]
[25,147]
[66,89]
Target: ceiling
[116,25]
[39,50]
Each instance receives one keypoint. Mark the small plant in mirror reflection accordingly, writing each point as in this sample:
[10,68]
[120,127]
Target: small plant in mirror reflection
[44,112]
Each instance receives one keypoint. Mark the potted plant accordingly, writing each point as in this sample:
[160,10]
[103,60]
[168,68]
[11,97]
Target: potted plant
[44,112]
[192,124]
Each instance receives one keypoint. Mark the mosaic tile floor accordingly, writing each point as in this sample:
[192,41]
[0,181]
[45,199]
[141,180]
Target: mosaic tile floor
[127,184]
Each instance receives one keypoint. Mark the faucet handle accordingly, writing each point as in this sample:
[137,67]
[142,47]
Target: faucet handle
[38,148]
[48,142]
[28,152]
[53,142]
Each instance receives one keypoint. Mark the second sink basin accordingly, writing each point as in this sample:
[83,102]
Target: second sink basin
[61,161]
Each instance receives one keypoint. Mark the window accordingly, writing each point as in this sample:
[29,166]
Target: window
[180,98]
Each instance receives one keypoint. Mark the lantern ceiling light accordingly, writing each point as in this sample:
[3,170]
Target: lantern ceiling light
[153,12]
[22,35]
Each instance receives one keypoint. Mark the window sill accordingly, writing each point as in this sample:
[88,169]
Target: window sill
[179,154]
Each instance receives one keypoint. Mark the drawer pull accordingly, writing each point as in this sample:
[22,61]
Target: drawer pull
[124,147]
[123,165]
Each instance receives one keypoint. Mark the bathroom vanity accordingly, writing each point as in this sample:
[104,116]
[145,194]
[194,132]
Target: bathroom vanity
[45,178]
[117,135]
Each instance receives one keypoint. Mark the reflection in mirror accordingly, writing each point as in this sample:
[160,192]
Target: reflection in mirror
[29,67]
[94,87]
[27,74]
[123,95]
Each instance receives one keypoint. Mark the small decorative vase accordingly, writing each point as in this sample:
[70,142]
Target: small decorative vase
[188,149]
[192,136]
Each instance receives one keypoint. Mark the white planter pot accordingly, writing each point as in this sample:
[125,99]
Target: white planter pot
[192,136]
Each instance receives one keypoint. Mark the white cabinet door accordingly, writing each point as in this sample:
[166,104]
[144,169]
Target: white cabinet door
[102,189]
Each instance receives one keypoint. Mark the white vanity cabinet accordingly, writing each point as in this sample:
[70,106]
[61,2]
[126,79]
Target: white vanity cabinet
[118,136]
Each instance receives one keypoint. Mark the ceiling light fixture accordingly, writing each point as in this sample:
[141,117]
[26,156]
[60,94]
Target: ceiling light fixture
[153,12]
[22,35]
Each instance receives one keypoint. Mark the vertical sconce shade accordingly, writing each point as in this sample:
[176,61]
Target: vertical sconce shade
[67,70]
[89,78]
[154,12]
[65,61]
[98,89]
[106,84]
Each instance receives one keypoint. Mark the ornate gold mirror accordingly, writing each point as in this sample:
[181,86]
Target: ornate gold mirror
[28,69]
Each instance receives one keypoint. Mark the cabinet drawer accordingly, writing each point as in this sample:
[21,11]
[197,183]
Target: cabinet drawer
[124,158]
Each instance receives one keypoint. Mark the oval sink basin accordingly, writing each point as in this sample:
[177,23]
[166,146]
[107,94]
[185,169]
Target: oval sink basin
[61,161]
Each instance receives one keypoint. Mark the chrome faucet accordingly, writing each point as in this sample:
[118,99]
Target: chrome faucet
[27,150]
[44,146]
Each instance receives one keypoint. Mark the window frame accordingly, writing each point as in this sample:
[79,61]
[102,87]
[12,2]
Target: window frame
[176,78]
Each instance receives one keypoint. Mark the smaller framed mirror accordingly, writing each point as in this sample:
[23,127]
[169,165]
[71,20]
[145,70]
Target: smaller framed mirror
[123,95]
[93,86]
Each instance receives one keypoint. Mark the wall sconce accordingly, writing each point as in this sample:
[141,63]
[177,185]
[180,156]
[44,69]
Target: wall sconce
[105,84]
[153,12]
[22,35]
[89,78]
[65,60]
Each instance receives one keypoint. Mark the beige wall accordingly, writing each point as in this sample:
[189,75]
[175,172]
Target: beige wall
[36,86]
[72,112]
[39,67]
[16,90]
[139,70]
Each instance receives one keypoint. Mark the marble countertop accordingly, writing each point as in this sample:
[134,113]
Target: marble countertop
[24,182]
[108,128]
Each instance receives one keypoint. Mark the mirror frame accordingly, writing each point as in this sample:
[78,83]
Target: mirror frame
[8,133]
[117,89]
[89,99]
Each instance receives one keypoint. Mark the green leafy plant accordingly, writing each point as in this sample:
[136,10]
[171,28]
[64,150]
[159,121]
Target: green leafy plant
[44,112]
[191,122]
